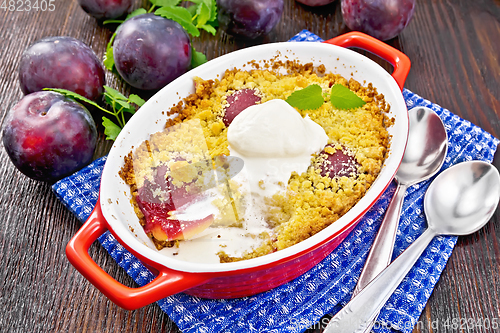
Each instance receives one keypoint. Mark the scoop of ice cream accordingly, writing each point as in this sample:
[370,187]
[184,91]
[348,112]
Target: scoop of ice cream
[274,129]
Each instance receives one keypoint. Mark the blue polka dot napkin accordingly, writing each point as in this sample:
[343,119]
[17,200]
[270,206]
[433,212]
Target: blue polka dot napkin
[302,302]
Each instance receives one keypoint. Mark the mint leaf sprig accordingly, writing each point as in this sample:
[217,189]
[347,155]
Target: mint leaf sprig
[202,14]
[118,102]
[344,98]
[311,98]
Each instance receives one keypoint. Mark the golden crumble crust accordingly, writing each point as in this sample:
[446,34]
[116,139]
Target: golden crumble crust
[312,201]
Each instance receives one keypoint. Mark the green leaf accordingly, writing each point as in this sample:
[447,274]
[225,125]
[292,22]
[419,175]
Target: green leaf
[115,94]
[136,100]
[309,98]
[138,11]
[74,96]
[130,110]
[343,98]
[108,60]
[108,99]
[123,104]
[210,4]
[213,10]
[197,58]
[180,15]
[111,130]
[209,28]
[118,102]
[165,3]
[192,9]
[202,15]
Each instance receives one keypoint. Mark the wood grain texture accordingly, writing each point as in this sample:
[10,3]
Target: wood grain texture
[454,47]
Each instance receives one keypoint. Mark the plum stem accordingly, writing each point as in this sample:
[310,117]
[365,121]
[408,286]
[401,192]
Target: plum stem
[113,21]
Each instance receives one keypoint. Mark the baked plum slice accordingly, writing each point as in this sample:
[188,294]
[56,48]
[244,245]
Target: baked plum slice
[337,162]
[159,198]
[239,101]
[164,227]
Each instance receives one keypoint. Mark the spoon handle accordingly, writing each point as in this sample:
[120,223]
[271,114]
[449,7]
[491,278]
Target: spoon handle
[363,308]
[381,251]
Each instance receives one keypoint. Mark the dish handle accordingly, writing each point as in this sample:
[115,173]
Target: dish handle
[167,282]
[396,58]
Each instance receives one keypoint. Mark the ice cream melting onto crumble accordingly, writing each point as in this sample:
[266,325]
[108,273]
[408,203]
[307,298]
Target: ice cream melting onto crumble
[272,140]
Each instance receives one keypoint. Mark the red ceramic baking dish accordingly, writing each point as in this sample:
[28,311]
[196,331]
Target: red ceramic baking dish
[114,212]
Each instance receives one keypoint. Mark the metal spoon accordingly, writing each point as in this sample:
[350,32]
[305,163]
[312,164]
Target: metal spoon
[425,152]
[424,155]
[460,201]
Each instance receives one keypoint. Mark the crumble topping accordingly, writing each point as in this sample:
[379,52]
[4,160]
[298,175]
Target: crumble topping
[192,144]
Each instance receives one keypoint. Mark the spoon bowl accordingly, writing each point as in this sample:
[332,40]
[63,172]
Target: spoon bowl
[426,147]
[460,201]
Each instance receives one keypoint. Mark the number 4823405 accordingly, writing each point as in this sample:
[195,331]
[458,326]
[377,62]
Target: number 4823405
[27,5]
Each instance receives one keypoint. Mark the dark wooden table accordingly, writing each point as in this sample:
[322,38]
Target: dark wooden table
[454,46]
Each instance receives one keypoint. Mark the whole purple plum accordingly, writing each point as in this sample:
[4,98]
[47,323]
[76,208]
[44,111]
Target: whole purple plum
[61,62]
[249,18]
[382,19]
[105,9]
[314,3]
[48,136]
[151,51]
